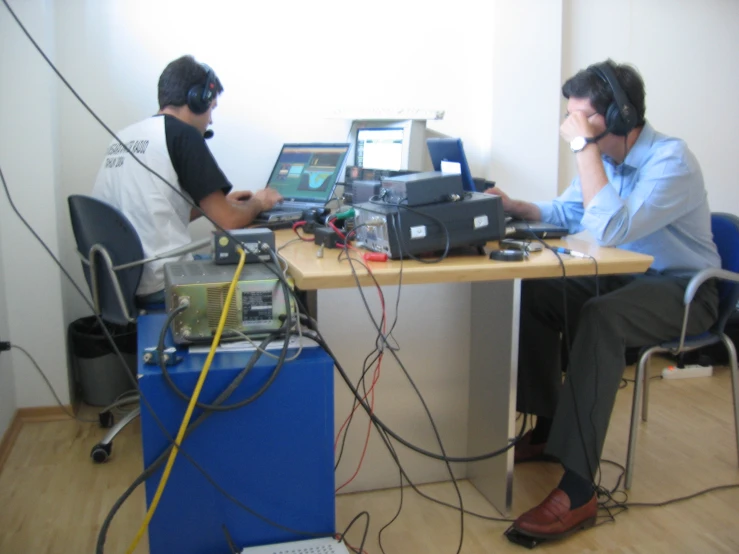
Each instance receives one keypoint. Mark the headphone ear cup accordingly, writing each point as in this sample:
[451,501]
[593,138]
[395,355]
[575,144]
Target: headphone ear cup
[614,122]
[195,100]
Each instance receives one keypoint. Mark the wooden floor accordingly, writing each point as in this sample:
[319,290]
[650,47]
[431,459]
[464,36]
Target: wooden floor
[53,499]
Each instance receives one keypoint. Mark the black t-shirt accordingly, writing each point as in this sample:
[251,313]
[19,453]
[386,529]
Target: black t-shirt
[196,168]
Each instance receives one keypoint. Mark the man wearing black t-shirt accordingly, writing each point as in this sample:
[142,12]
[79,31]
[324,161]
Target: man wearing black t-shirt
[172,143]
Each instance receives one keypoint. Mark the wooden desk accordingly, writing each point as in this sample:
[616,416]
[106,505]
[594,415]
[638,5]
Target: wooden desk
[488,370]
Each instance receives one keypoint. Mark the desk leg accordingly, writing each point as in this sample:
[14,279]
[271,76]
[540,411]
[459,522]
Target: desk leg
[492,394]
[309,298]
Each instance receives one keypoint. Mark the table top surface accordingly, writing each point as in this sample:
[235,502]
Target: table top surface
[312,273]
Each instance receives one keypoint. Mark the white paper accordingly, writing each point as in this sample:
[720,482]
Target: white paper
[451,168]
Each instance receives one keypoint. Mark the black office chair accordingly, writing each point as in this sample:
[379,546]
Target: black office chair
[725,229]
[112,260]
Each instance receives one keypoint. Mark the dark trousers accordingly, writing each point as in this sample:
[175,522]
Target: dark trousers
[630,311]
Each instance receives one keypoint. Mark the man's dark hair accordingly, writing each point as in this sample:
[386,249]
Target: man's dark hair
[178,77]
[586,84]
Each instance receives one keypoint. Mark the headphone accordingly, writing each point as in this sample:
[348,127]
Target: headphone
[621,115]
[199,97]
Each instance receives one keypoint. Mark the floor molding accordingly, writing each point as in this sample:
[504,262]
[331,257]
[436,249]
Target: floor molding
[8,440]
[38,414]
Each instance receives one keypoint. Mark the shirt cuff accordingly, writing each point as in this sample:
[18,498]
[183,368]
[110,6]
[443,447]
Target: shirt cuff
[546,209]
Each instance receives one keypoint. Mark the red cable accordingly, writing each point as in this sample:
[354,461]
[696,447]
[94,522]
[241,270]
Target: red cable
[371,392]
[338,231]
[297,225]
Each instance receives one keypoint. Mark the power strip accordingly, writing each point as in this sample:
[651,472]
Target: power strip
[312,546]
[674,372]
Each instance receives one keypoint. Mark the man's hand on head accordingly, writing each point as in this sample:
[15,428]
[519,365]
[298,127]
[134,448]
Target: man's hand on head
[577,124]
[267,198]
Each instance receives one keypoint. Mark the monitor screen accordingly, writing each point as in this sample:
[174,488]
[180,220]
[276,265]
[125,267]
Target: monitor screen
[380,148]
[308,171]
[451,150]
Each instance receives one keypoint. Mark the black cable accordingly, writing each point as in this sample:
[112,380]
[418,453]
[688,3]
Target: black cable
[351,523]
[35,364]
[213,407]
[369,410]
[229,540]
[680,498]
[366,365]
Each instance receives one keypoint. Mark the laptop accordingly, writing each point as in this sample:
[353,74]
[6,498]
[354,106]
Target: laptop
[305,175]
[520,229]
[449,153]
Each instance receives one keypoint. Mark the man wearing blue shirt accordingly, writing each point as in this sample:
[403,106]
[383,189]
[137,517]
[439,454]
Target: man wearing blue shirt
[636,189]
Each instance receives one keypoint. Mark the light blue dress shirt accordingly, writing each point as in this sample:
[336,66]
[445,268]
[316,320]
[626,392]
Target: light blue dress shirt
[654,203]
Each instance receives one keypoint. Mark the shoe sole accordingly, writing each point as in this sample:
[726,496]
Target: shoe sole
[582,526]
[540,458]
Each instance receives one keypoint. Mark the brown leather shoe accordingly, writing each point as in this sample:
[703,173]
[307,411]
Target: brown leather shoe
[553,518]
[524,451]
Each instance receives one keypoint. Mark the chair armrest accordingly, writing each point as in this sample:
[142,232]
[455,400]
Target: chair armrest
[695,283]
[192,247]
[702,276]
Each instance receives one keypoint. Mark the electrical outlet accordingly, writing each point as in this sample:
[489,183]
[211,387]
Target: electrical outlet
[674,372]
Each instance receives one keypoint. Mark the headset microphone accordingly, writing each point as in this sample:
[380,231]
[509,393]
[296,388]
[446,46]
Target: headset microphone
[596,138]
[208,134]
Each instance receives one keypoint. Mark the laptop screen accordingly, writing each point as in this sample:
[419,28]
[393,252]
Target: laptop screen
[451,150]
[308,172]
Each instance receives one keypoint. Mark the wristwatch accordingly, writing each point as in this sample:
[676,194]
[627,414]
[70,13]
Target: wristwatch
[577,144]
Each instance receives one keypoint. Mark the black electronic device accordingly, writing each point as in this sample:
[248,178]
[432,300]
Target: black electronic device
[256,243]
[418,189]
[400,231]
[361,191]
[525,230]
[354,173]
[200,97]
[325,236]
[621,115]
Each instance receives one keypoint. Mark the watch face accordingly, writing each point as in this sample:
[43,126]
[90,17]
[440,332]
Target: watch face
[577,144]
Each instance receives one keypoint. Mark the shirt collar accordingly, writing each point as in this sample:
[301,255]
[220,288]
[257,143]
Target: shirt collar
[639,150]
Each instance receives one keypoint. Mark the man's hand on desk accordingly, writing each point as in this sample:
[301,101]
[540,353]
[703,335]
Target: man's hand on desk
[518,208]
[267,198]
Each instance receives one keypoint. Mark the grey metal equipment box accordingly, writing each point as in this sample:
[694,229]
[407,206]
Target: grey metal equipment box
[399,231]
[258,305]
[250,239]
[417,189]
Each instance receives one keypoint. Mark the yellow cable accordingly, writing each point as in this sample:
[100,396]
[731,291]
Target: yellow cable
[191,406]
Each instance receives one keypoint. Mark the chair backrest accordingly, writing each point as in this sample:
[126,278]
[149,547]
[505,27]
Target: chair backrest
[95,222]
[725,229]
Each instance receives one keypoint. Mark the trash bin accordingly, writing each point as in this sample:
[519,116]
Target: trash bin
[100,376]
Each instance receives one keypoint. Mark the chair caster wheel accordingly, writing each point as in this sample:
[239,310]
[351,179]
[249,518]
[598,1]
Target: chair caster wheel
[101,452]
[106,419]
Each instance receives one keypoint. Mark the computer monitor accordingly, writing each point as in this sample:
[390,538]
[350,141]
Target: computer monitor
[389,144]
[451,150]
[307,172]
[380,148]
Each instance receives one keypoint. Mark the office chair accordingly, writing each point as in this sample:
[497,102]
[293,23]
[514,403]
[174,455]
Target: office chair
[112,260]
[725,229]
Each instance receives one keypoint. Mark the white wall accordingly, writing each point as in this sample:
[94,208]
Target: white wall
[28,155]
[7,379]
[687,53]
